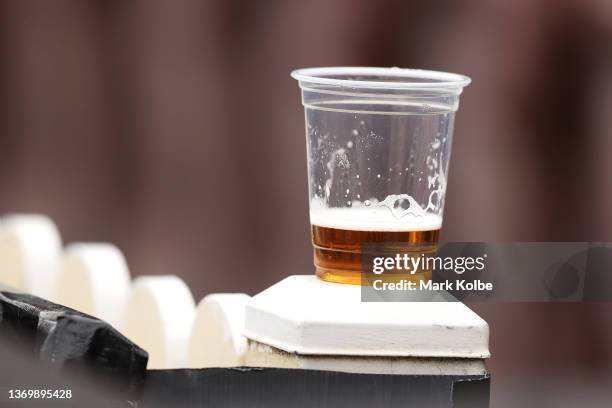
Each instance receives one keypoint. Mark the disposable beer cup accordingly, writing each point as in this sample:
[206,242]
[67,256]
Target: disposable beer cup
[378,145]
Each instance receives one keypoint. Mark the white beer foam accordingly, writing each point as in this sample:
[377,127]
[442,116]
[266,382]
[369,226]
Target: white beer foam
[372,218]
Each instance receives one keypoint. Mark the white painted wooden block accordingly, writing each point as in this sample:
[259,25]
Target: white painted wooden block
[159,317]
[95,280]
[30,254]
[216,338]
[262,355]
[305,317]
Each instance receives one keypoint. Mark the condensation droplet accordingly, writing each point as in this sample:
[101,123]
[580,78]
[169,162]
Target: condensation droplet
[378,176]
[357,176]
[349,144]
[349,203]
[355,132]
[348,191]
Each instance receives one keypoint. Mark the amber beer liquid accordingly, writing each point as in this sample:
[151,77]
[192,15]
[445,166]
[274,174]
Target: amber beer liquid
[340,237]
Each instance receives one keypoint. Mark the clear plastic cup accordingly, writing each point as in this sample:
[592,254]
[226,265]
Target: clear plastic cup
[378,145]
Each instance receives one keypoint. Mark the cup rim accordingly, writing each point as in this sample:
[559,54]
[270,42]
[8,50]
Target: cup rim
[403,78]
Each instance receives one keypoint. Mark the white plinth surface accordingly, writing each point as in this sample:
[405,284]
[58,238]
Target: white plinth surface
[307,316]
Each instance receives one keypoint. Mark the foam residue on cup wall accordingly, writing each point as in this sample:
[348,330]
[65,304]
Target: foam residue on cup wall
[338,158]
[401,209]
[436,178]
[396,161]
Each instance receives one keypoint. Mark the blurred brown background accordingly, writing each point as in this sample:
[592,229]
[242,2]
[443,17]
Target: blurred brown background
[173,129]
